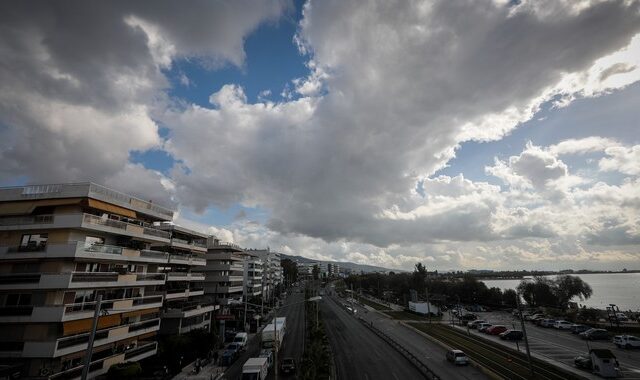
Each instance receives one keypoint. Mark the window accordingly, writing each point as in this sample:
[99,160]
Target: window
[33,242]
[21,299]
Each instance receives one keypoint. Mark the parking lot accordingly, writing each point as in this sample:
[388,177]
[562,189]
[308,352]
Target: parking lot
[560,346]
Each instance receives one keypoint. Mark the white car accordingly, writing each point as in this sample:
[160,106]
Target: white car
[626,341]
[622,317]
[457,357]
[563,325]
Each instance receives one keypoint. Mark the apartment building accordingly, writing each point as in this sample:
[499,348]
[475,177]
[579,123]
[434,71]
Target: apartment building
[253,272]
[272,270]
[224,272]
[61,246]
[185,308]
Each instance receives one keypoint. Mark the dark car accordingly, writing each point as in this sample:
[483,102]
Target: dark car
[583,361]
[469,317]
[595,334]
[230,354]
[288,365]
[577,329]
[512,335]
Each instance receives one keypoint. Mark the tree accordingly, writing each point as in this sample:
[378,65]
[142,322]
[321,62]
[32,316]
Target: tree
[567,287]
[289,269]
[540,292]
[509,298]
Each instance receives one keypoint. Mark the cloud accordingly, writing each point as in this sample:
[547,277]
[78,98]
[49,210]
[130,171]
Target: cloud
[622,159]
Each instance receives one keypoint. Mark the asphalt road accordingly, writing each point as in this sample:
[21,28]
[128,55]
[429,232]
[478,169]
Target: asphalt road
[562,346]
[358,352]
[430,353]
[293,309]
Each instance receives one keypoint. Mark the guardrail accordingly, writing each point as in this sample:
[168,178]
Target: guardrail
[426,371]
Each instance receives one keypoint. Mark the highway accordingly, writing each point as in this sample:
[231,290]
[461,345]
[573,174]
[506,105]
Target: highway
[293,341]
[358,352]
[430,353]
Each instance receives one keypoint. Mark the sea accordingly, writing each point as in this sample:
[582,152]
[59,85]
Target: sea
[620,289]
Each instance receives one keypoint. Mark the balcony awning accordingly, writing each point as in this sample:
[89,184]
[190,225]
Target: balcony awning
[140,312]
[26,207]
[108,207]
[84,325]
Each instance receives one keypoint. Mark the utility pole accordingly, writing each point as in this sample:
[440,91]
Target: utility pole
[244,325]
[524,333]
[92,337]
[275,340]
[428,305]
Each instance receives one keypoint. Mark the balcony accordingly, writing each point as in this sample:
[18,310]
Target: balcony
[190,260]
[70,312]
[185,244]
[75,280]
[79,342]
[195,326]
[185,276]
[120,227]
[100,367]
[188,310]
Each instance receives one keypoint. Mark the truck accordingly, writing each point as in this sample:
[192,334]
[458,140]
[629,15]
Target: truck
[255,369]
[273,336]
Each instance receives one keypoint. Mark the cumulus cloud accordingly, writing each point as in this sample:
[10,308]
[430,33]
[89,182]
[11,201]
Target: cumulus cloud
[394,88]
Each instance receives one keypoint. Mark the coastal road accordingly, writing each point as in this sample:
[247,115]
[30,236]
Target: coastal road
[359,353]
[430,353]
[562,346]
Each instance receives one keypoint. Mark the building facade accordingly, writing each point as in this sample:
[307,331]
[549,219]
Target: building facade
[185,308]
[63,245]
[224,272]
[272,270]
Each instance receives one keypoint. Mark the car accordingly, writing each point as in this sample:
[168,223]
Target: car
[626,341]
[583,361]
[469,317]
[536,320]
[230,354]
[474,324]
[267,353]
[577,329]
[288,365]
[484,326]
[547,322]
[563,325]
[595,334]
[457,357]
[622,317]
[496,330]
[241,339]
[512,335]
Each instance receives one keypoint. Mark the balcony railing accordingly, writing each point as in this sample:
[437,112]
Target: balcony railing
[144,325]
[96,220]
[16,311]
[140,350]
[94,277]
[180,241]
[150,277]
[26,220]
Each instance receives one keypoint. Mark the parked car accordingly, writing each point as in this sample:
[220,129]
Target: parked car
[457,357]
[468,317]
[267,353]
[626,341]
[230,354]
[595,334]
[496,330]
[583,361]
[577,329]
[547,322]
[241,339]
[536,320]
[484,326]
[563,325]
[288,365]
[512,335]
[622,317]
[474,324]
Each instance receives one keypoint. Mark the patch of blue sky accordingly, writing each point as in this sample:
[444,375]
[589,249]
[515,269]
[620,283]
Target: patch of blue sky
[613,116]
[225,217]
[154,159]
[272,62]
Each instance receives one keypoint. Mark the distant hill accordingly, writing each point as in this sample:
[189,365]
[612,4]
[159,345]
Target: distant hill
[343,264]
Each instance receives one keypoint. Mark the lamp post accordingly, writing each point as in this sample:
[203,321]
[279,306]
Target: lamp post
[92,336]
[524,333]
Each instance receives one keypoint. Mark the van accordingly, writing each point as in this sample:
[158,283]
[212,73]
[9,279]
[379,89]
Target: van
[241,339]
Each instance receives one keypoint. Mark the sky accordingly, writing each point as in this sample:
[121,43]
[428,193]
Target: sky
[460,134]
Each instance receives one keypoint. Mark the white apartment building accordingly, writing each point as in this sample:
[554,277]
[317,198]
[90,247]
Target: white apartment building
[253,275]
[61,246]
[272,270]
[224,272]
[184,307]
